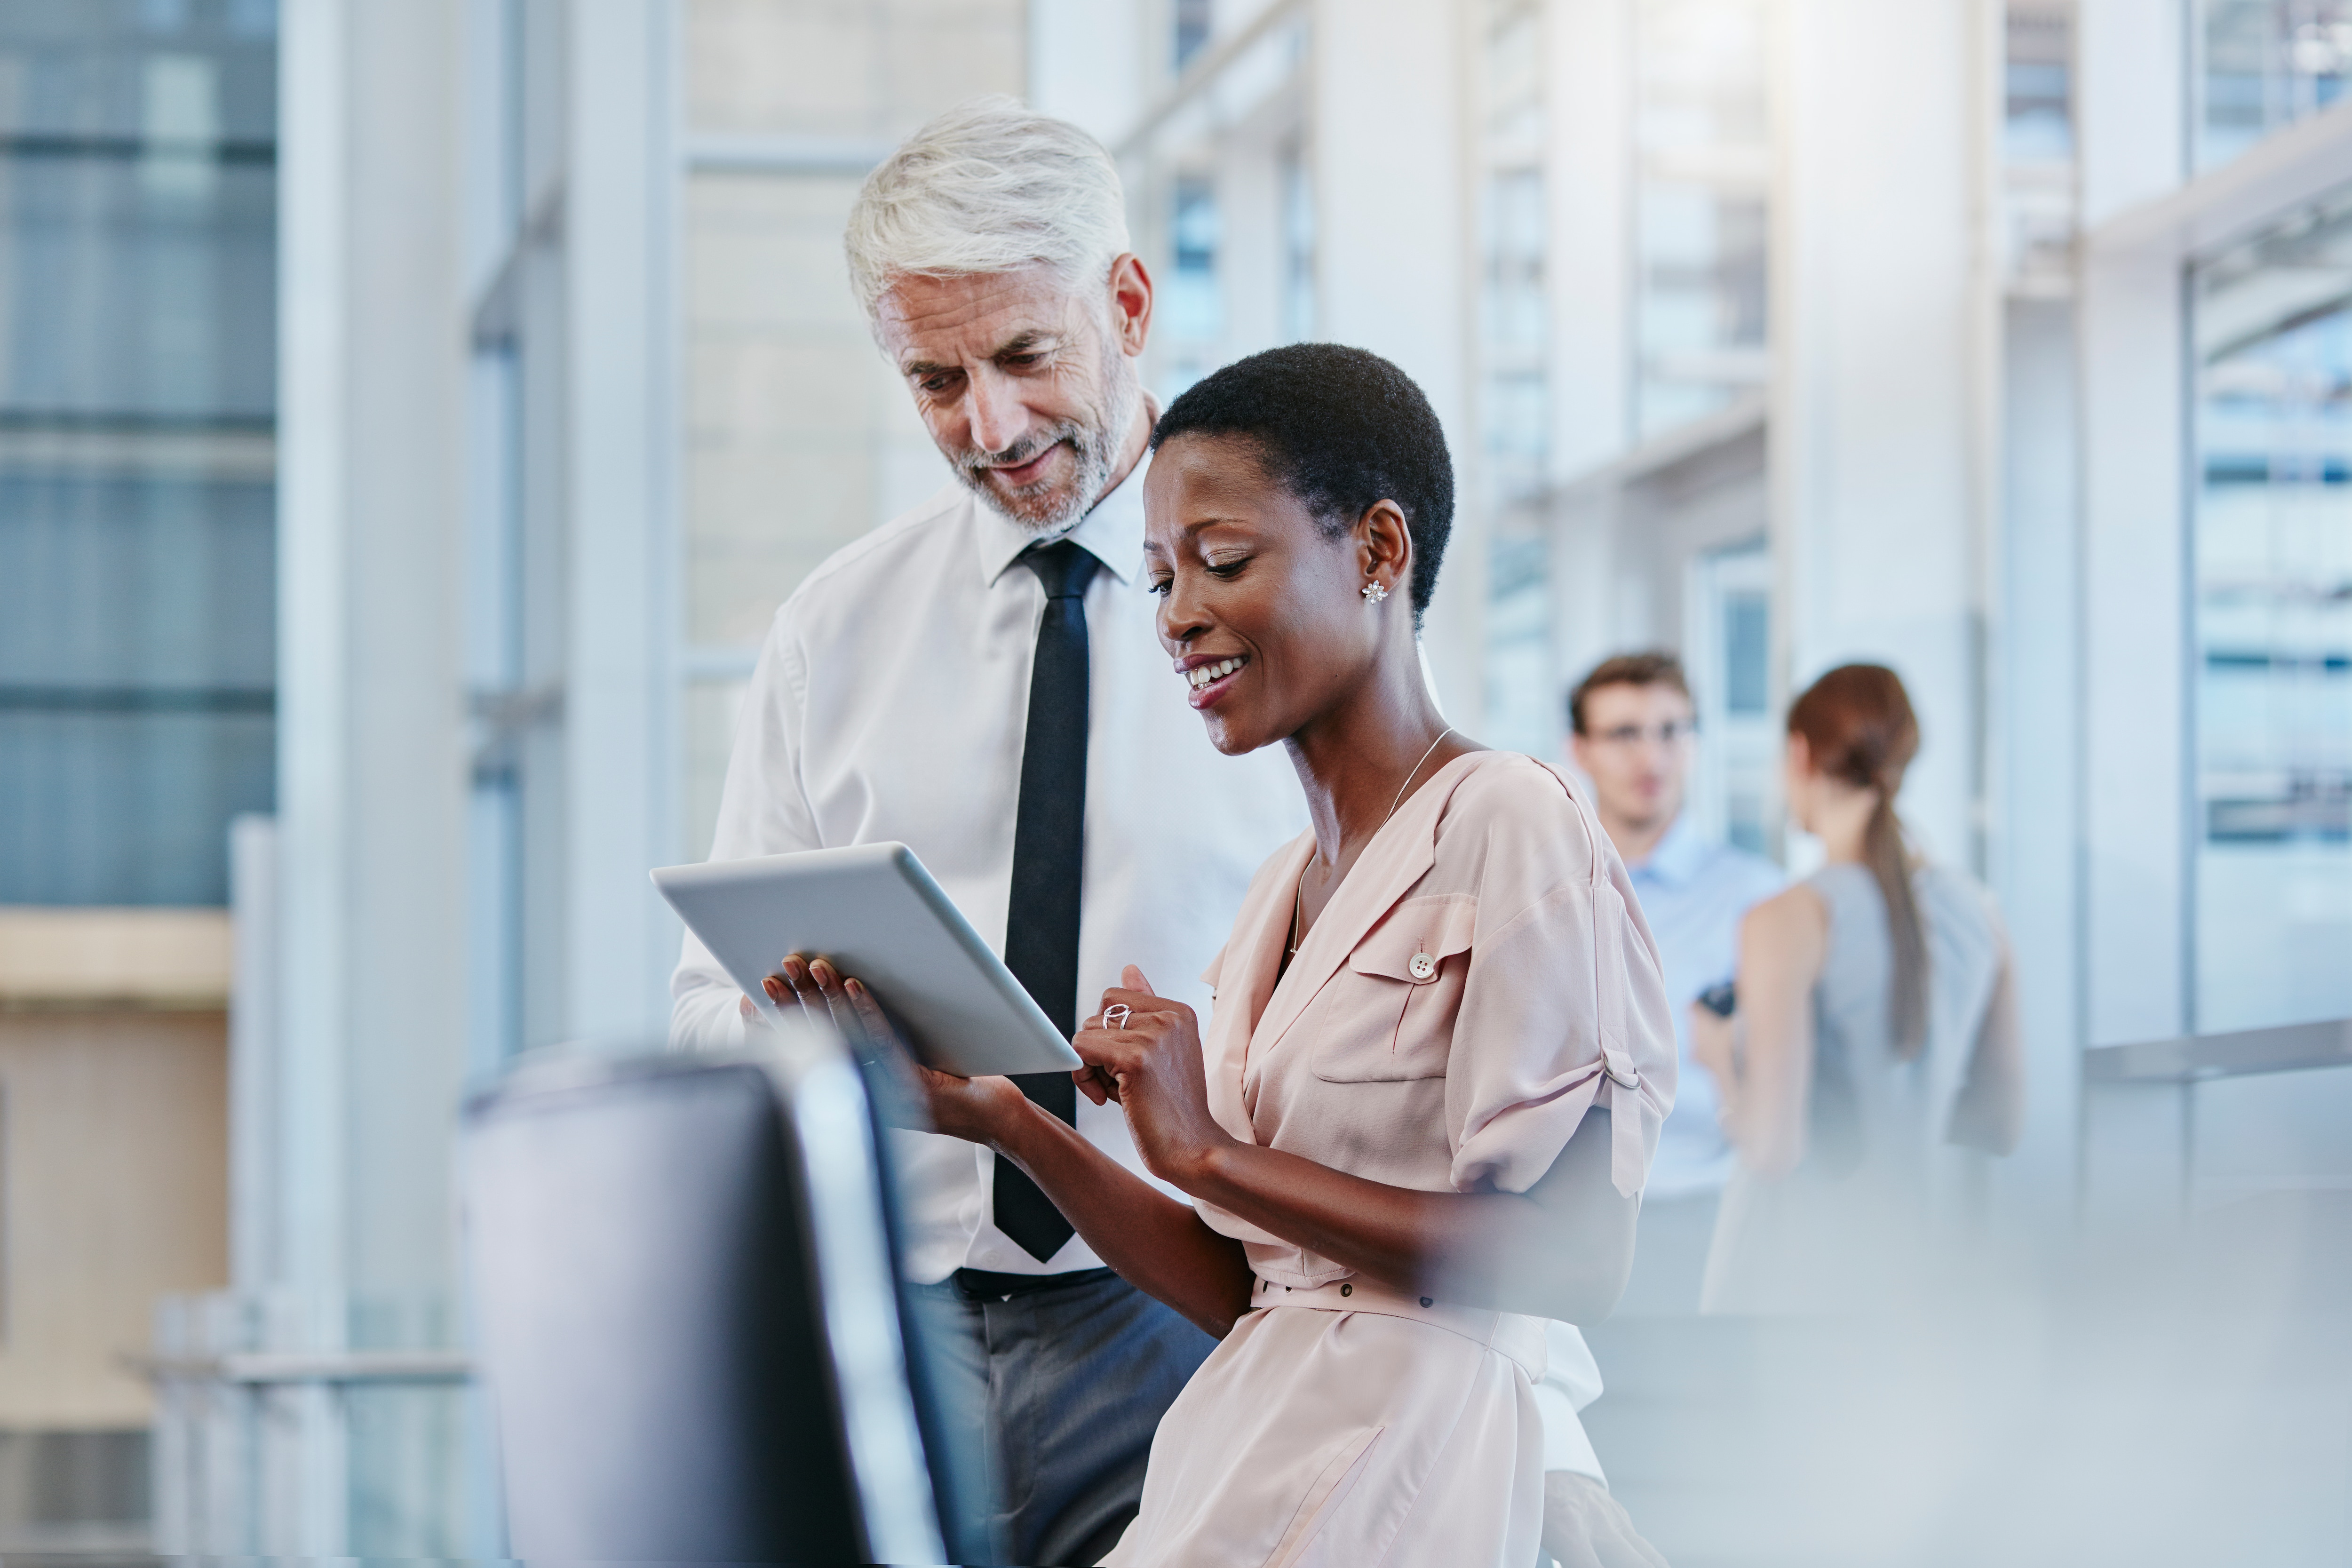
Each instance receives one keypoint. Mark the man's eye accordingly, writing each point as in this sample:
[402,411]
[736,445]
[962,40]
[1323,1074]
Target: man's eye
[936,383]
[1021,361]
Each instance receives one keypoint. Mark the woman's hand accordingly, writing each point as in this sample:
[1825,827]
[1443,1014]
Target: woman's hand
[976,1110]
[1150,1063]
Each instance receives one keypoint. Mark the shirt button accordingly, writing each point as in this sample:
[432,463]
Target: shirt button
[1420,967]
[1425,1302]
[1347,1290]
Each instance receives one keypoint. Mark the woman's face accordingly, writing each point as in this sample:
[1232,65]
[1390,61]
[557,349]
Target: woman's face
[1263,611]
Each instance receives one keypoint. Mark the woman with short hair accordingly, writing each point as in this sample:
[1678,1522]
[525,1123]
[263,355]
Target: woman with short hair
[1875,1032]
[1419,1119]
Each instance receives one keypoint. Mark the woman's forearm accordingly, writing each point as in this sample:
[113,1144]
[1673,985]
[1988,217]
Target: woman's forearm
[1155,1243]
[1518,1252]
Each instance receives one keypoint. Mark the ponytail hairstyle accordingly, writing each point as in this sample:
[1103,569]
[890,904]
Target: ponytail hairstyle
[1858,727]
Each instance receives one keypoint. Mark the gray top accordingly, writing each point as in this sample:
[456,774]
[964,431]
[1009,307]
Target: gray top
[1856,1226]
[1892,1112]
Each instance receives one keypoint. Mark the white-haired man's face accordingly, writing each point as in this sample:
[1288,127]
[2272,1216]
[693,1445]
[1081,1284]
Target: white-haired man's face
[1028,385]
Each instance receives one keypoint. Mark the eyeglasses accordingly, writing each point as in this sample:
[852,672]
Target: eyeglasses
[1665,734]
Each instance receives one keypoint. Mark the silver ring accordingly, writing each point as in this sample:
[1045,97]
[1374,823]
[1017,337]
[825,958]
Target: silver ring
[1116,1016]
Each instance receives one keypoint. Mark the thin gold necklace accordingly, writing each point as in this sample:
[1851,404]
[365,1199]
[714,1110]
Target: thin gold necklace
[1298,893]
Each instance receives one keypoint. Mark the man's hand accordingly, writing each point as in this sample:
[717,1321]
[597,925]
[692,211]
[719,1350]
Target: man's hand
[1715,1041]
[977,1109]
[1150,1063]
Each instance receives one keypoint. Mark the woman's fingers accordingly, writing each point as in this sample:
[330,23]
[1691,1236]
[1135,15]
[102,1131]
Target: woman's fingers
[870,1012]
[839,1005]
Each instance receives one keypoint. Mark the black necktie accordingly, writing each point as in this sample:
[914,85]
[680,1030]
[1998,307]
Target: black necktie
[1049,840]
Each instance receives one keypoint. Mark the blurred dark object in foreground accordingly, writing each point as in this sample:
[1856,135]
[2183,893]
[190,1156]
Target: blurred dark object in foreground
[690,1315]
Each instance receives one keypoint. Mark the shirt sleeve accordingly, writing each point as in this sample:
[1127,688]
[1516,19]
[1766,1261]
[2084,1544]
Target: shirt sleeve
[762,810]
[1564,1007]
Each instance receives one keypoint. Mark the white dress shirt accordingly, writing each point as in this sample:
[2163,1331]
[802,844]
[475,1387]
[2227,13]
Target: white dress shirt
[891,702]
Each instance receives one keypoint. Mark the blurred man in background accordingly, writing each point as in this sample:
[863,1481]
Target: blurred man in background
[1632,731]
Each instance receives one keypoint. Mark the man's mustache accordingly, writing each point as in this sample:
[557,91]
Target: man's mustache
[1012,456]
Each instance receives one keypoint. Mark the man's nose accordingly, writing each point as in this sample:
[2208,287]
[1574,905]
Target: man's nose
[998,417]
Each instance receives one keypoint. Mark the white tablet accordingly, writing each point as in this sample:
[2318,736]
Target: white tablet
[877,915]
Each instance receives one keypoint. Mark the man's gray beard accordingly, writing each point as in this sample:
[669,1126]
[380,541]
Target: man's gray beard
[1096,451]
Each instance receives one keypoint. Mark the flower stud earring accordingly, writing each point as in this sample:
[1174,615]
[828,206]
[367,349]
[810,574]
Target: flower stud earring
[1375,592]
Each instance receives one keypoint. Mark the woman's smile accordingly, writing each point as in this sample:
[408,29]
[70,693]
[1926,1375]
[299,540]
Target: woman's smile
[1210,677]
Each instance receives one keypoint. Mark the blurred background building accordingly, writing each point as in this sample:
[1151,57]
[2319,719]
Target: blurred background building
[412,411]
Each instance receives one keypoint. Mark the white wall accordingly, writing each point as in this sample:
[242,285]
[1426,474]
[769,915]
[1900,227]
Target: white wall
[622,625]
[1391,245]
[372,772]
[2131,355]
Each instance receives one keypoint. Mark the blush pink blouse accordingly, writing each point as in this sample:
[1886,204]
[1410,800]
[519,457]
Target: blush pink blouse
[1481,978]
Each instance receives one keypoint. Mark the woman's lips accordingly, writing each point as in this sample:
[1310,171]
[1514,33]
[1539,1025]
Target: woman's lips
[1208,694]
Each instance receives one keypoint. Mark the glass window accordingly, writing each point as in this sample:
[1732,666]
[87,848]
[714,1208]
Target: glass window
[2262,64]
[1195,310]
[1192,23]
[1703,153]
[2038,86]
[1728,623]
[1298,243]
[137,358]
[2272,626]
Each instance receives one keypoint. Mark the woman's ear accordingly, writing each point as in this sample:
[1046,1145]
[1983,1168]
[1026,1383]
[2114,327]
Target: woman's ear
[1385,546]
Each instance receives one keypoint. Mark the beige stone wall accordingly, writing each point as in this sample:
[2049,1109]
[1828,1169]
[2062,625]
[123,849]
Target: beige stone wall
[113,1148]
[113,1191]
[798,438]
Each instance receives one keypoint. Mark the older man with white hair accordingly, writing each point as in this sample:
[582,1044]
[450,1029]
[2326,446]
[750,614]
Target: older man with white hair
[981,679]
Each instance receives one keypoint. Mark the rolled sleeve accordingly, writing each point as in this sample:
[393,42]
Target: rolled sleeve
[1565,1008]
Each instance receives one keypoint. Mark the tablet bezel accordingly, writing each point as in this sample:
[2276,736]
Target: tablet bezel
[969,1015]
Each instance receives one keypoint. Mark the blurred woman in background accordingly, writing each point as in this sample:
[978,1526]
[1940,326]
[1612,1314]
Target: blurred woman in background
[1875,1032]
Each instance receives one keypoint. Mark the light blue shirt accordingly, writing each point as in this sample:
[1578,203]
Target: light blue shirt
[1694,892]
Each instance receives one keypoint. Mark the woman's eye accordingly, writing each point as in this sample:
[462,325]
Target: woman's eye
[1227,568]
[1161,585]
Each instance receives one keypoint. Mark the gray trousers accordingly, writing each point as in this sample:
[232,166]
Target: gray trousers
[1073,1381]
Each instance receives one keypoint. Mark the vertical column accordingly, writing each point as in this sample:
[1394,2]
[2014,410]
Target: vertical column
[1871,404]
[1589,165]
[622,618]
[1392,243]
[2135,823]
[372,767]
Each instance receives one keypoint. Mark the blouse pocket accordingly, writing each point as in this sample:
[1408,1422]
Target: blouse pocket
[1388,1015]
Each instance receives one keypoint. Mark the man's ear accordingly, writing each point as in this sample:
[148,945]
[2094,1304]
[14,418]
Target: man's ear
[1130,303]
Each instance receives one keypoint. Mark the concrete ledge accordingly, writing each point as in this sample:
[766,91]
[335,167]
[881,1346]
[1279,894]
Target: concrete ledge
[175,959]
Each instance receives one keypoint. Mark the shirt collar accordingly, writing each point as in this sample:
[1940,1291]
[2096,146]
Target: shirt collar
[1112,532]
[1677,855]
